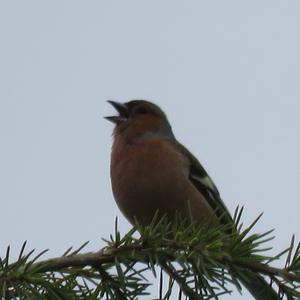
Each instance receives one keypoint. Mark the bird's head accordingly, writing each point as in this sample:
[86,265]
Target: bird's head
[139,120]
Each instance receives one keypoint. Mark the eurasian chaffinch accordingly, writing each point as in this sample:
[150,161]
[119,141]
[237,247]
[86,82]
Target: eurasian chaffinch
[151,172]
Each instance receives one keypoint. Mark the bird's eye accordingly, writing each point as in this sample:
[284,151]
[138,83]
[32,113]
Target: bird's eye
[140,111]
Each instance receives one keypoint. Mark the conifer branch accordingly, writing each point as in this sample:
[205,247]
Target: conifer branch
[201,259]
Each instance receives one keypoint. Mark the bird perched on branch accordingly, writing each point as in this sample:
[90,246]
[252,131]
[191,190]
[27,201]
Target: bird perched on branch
[151,172]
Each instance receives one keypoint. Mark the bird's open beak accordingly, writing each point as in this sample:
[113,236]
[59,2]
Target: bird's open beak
[121,109]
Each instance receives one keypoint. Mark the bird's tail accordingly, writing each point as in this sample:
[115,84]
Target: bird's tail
[258,287]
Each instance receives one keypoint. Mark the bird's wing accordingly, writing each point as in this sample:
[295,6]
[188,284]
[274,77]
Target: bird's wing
[204,184]
[255,283]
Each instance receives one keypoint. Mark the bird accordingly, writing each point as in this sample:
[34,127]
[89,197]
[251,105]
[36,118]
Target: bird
[152,173]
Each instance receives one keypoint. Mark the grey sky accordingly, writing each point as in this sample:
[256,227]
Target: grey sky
[226,72]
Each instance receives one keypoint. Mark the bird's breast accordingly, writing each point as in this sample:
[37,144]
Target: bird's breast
[147,177]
